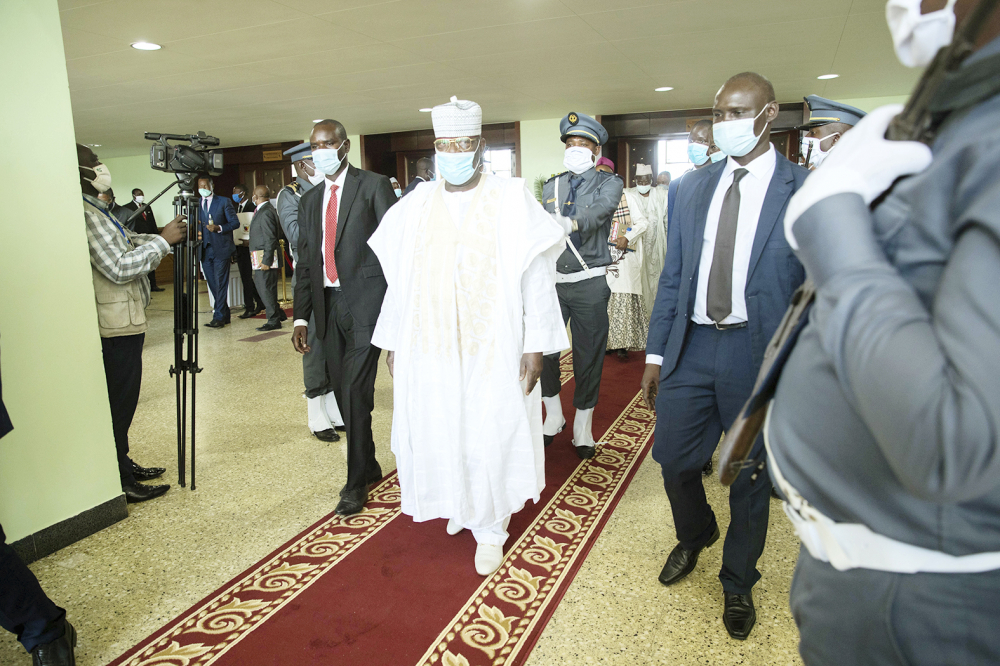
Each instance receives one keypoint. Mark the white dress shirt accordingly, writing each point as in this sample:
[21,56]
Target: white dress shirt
[753,189]
[327,189]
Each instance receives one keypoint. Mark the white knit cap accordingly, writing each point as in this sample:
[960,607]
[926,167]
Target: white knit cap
[458,117]
[643,170]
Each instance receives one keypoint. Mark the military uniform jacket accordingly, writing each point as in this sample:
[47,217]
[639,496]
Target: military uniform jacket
[288,211]
[888,411]
[597,199]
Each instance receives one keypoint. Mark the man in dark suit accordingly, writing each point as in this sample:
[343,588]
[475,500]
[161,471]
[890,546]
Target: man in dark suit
[425,174]
[216,222]
[265,229]
[338,277]
[144,224]
[253,304]
[728,279]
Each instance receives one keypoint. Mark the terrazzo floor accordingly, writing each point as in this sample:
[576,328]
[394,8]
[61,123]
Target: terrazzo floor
[263,478]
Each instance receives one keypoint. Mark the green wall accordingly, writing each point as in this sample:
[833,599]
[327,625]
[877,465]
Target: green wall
[60,459]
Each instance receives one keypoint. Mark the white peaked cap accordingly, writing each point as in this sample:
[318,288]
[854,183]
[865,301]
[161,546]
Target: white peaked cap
[643,170]
[458,117]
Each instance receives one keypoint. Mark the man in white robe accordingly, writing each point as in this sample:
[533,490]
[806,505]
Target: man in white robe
[650,203]
[471,307]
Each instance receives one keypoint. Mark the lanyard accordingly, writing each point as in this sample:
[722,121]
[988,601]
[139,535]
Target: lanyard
[114,221]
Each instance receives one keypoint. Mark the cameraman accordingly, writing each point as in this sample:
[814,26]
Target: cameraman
[120,261]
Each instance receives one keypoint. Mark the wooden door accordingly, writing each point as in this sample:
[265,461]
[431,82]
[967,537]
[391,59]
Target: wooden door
[638,151]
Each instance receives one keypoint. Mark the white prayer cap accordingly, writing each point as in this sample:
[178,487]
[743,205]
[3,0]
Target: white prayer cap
[458,117]
[643,170]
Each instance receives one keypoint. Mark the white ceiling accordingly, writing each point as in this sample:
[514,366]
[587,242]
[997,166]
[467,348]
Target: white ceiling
[259,71]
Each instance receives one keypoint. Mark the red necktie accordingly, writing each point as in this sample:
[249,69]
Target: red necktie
[331,236]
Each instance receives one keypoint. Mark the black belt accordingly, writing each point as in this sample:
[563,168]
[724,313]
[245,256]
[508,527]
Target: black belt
[726,327]
[339,289]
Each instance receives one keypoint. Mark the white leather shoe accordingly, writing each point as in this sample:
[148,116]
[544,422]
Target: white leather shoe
[453,527]
[488,558]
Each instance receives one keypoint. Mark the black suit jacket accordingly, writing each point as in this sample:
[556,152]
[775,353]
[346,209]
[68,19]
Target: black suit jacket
[145,223]
[412,186]
[364,200]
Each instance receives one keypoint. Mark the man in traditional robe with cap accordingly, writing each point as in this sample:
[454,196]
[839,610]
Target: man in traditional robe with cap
[583,200]
[470,309]
[323,412]
[651,203]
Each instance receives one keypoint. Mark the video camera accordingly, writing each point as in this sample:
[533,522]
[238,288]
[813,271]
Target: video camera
[185,159]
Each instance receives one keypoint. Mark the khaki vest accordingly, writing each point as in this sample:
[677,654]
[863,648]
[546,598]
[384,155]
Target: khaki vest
[120,309]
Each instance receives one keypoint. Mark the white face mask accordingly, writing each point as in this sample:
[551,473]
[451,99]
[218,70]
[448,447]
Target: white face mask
[139,199]
[102,177]
[398,191]
[644,189]
[314,179]
[817,155]
[918,37]
[579,159]
[736,137]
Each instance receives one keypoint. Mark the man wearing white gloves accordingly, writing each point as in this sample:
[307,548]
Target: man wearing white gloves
[884,433]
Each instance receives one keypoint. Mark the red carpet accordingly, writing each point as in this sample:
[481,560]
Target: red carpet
[378,589]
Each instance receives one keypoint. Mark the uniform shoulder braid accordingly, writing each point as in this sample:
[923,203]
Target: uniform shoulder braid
[556,176]
[294,186]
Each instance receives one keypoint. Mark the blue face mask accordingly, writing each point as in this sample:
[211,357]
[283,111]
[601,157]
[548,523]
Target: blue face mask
[457,168]
[736,137]
[237,197]
[717,156]
[327,160]
[205,193]
[697,153]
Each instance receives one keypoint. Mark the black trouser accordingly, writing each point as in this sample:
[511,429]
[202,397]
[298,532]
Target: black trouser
[353,363]
[123,371]
[267,291]
[25,610]
[152,279]
[585,306]
[251,299]
[696,402]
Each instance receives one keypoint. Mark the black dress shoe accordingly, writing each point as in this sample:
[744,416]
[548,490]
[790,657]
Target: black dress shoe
[549,438]
[681,562]
[146,473]
[739,615]
[270,327]
[282,316]
[327,435]
[342,428]
[585,452]
[157,289]
[249,312]
[137,492]
[352,501]
[215,323]
[707,469]
[59,652]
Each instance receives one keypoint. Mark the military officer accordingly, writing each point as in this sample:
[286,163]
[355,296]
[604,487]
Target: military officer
[828,122]
[884,432]
[583,200]
[324,413]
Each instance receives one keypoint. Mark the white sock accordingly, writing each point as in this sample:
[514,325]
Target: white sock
[332,409]
[583,424]
[318,419]
[554,419]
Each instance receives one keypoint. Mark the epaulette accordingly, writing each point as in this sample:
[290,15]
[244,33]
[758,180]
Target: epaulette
[294,186]
[556,176]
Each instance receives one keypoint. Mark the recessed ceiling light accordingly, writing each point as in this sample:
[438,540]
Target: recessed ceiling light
[426,110]
[663,89]
[827,76]
[146,46]
[93,145]
[318,120]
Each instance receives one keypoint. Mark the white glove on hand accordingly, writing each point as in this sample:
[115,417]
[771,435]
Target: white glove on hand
[564,222]
[863,162]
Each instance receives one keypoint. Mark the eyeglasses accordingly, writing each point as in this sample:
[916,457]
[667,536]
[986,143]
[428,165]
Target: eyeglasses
[462,144]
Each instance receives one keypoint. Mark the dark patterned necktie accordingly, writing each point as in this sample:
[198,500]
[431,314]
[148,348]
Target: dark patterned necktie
[720,278]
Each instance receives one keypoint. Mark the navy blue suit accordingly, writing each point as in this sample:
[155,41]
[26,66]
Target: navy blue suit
[217,249]
[708,374]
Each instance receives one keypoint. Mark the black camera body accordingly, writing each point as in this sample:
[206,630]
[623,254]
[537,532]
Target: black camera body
[193,159]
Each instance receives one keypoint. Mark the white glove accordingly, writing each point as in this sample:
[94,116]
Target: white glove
[564,222]
[863,162]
